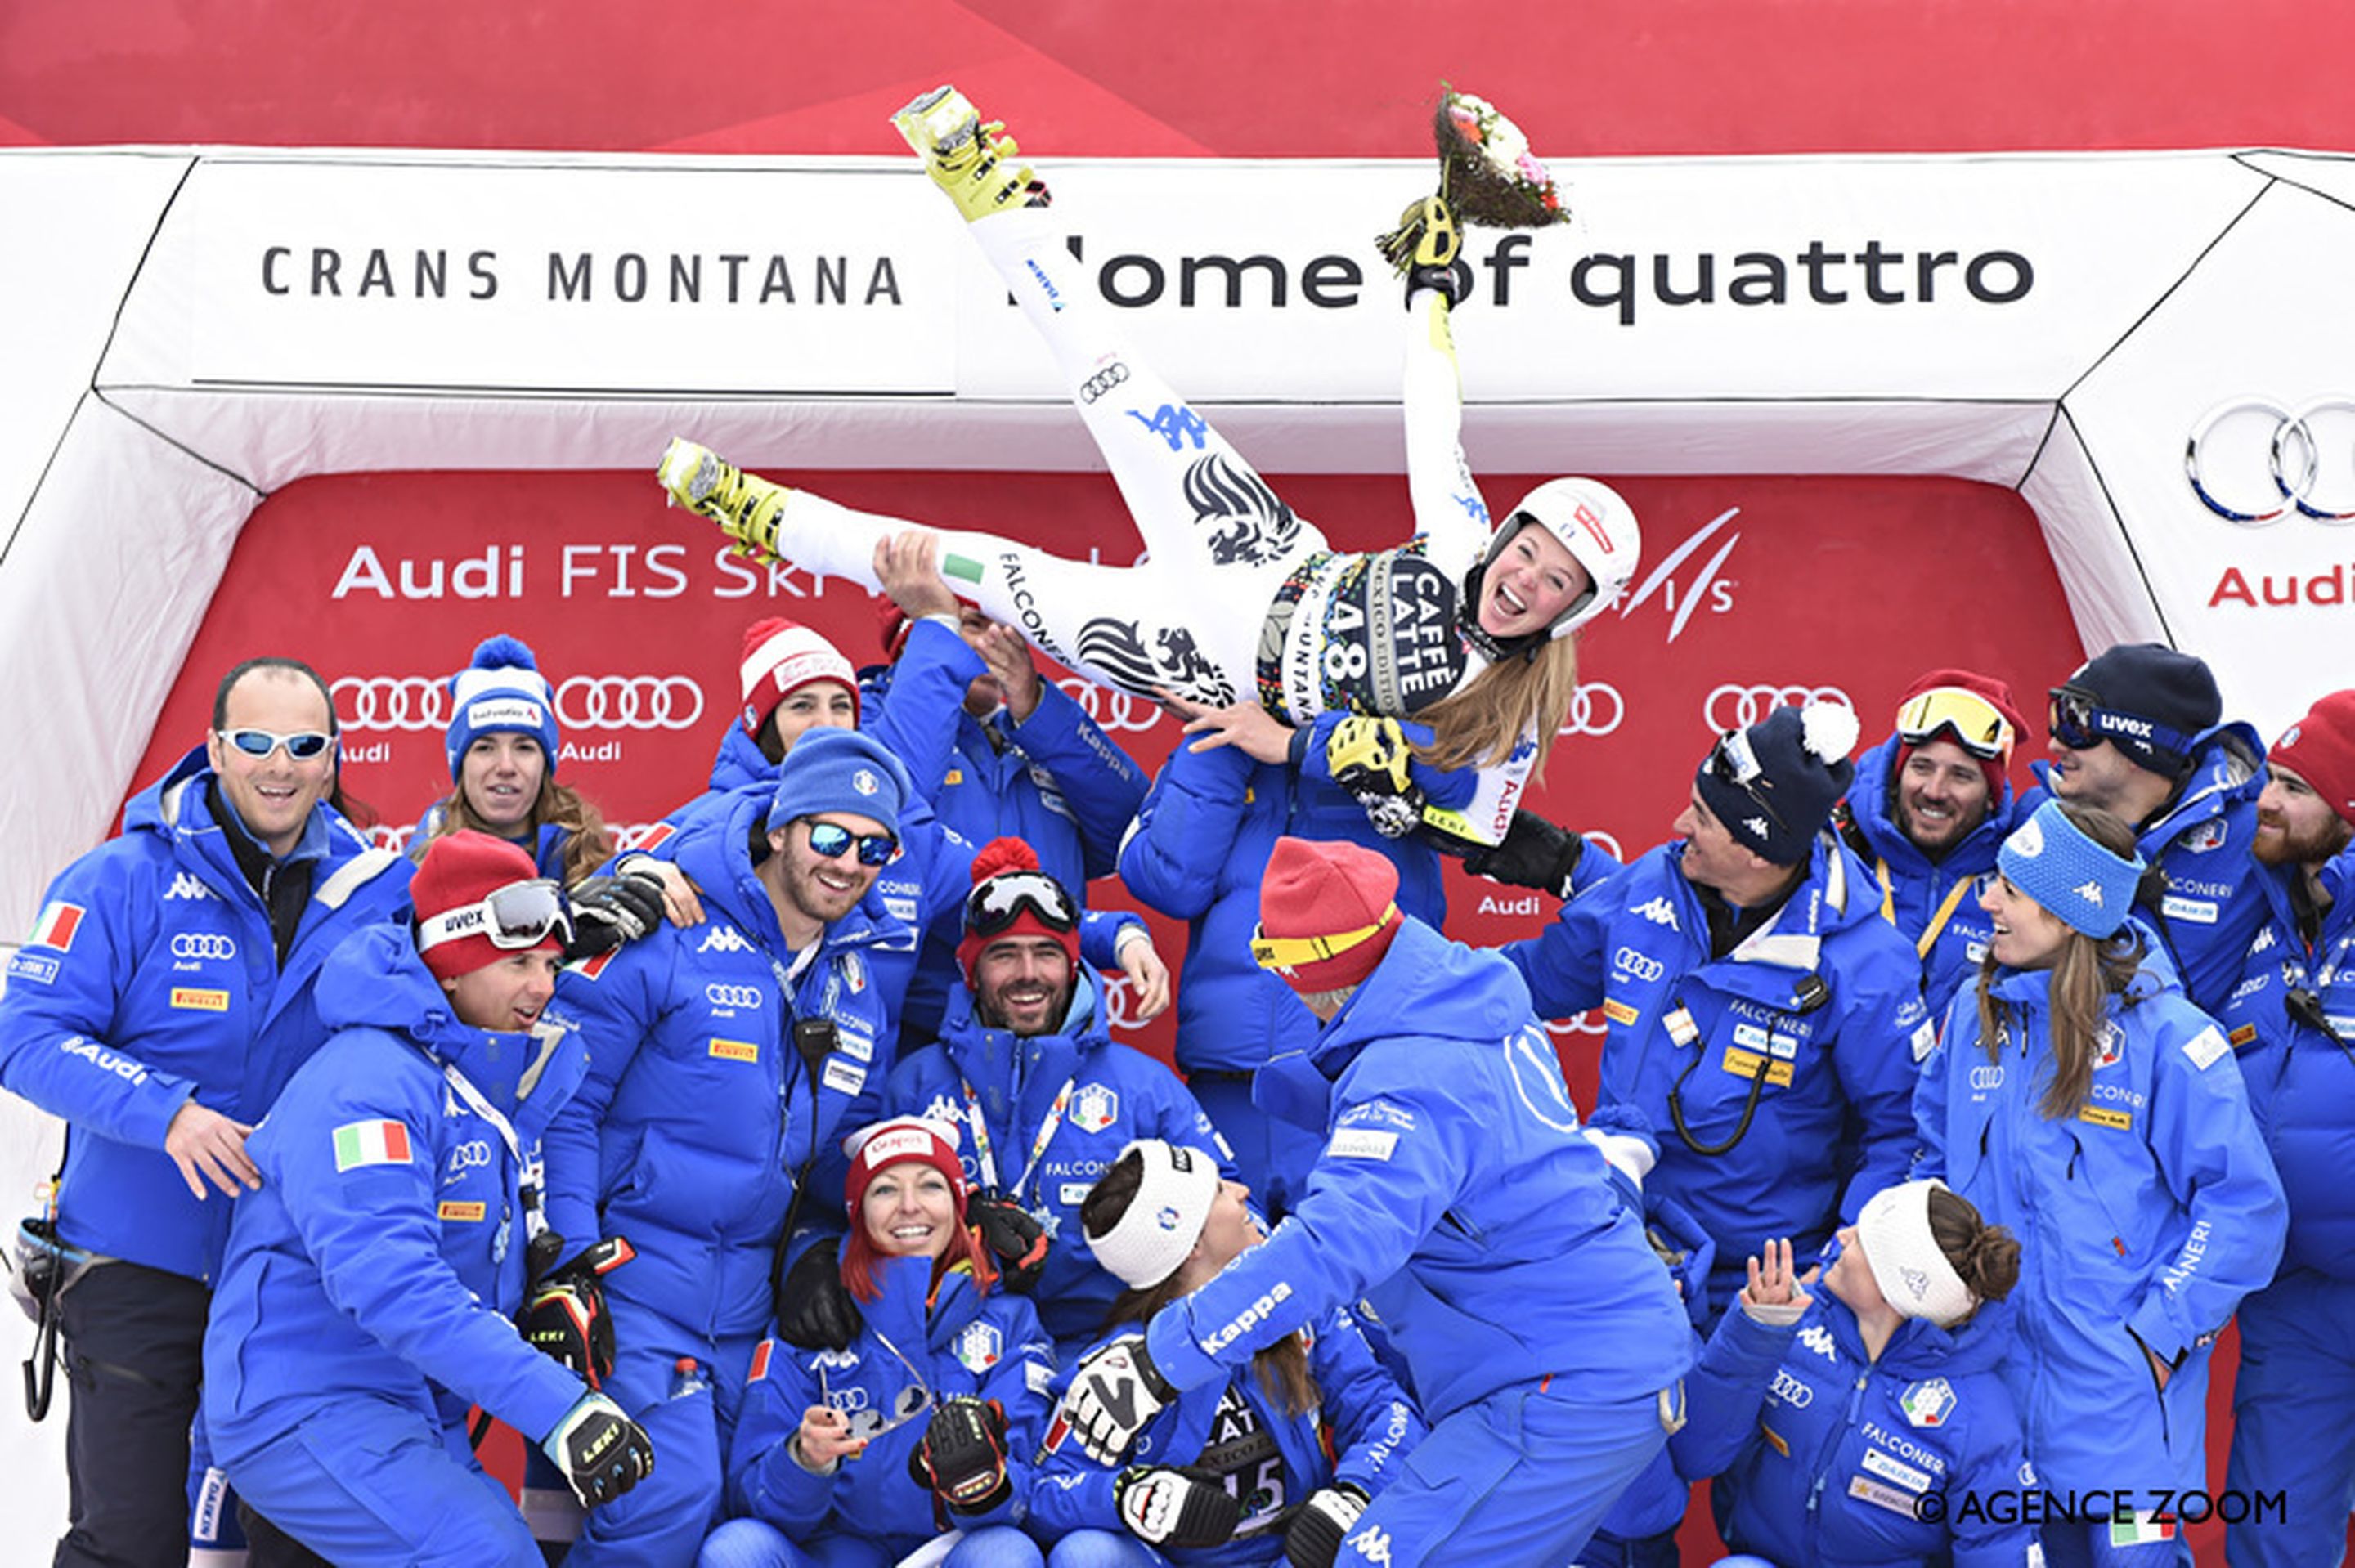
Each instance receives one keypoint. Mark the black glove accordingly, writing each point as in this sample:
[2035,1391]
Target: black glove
[608,911]
[962,1460]
[565,1314]
[1016,1240]
[1323,1522]
[1369,758]
[1187,1508]
[1534,854]
[602,1451]
[815,1311]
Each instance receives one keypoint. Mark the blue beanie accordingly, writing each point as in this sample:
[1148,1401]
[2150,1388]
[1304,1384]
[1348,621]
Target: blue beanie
[2084,885]
[502,689]
[840,770]
[1775,784]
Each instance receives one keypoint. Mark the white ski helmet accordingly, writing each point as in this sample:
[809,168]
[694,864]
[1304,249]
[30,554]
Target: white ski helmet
[1597,527]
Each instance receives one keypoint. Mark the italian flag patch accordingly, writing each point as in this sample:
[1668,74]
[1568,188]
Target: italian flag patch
[2136,1529]
[55,928]
[359,1143]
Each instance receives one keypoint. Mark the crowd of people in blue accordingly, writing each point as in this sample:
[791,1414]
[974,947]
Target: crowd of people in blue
[780,1182]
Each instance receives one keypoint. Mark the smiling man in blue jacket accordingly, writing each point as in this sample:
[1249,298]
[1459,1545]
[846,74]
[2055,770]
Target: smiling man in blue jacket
[1455,1195]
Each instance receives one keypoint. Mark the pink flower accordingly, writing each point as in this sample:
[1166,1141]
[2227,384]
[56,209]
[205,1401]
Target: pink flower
[1533,171]
[1467,123]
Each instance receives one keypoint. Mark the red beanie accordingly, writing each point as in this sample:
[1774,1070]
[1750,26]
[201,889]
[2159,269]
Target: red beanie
[460,870]
[1997,694]
[2321,749]
[1013,866]
[882,1144]
[780,658]
[892,624]
[1327,913]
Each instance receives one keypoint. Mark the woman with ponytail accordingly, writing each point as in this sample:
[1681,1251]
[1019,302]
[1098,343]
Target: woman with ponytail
[1228,1473]
[1865,1425]
[2079,1098]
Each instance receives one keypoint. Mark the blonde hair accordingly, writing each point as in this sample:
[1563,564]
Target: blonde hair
[590,846]
[1478,725]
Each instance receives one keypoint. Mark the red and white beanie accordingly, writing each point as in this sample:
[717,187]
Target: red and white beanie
[460,870]
[781,657]
[902,1138]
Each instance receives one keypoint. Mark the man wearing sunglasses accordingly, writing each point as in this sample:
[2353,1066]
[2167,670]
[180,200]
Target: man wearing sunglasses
[1928,810]
[1760,1016]
[726,1060]
[161,1003]
[2292,1024]
[2136,731]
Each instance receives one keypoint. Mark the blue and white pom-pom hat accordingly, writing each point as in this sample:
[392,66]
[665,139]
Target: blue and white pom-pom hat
[1165,1219]
[2084,885]
[501,689]
[1775,784]
[840,770]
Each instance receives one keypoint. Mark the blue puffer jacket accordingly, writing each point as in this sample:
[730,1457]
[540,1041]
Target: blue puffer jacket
[2142,1220]
[2301,1081]
[987,1346]
[1828,1454]
[1637,945]
[1915,888]
[151,978]
[1055,780]
[1455,1195]
[384,1255]
[2211,909]
[546,844]
[1116,1095]
[1271,1461]
[1200,844]
[698,1115]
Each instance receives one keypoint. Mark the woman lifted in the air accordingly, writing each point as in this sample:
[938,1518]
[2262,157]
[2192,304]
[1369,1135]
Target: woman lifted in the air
[1243,618]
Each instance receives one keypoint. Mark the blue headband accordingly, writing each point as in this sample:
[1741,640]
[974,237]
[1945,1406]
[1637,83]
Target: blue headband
[2086,887]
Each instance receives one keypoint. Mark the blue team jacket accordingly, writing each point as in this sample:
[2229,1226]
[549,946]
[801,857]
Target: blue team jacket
[1117,1094]
[698,1115]
[1454,1195]
[2301,1081]
[2142,1220]
[1827,1453]
[151,978]
[1636,944]
[1915,888]
[987,1345]
[384,1255]
[1373,1426]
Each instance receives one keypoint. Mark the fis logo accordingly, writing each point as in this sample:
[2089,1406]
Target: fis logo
[187,886]
[724,939]
[1658,911]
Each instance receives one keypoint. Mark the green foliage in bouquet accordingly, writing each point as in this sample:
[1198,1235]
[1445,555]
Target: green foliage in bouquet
[1487,174]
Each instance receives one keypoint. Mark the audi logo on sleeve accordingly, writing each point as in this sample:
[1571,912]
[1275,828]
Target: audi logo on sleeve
[195,945]
[2253,462]
[1738,707]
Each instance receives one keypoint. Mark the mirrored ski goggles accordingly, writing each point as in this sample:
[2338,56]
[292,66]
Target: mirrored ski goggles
[1978,724]
[2081,724]
[518,916]
[1002,900]
[303,746]
[831,839]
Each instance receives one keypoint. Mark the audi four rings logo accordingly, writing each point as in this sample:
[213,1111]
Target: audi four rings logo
[1738,707]
[420,703]
[1113,712]
[1102,381]
[2252,463]
[1627,960]
[203,945]
[1596,709]
[744,996]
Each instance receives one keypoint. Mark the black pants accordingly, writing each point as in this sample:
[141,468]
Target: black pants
[134,1340]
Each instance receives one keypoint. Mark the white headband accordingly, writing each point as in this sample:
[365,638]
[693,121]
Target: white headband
[1165,1217]
[1907,1263]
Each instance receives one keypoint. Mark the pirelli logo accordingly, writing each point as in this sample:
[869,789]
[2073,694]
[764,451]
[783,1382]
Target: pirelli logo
[1618,1011]
[196,999]
[735,1050]
[470,1214]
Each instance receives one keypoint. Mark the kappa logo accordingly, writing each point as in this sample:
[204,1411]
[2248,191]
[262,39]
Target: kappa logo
[1175,423]
[1373,1545]
[1658,911]
[2091,892]
[1916,1281]
[1818,1339]
[1756,827]
[184,885]
[724,939]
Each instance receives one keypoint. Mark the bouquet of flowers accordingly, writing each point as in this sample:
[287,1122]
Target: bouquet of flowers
[1487,174]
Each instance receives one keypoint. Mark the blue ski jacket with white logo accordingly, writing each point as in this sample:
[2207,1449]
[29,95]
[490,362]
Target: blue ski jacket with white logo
[1454,1195]
[1811,1025]
[384,1256]
[151,978]
[2143,1219]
